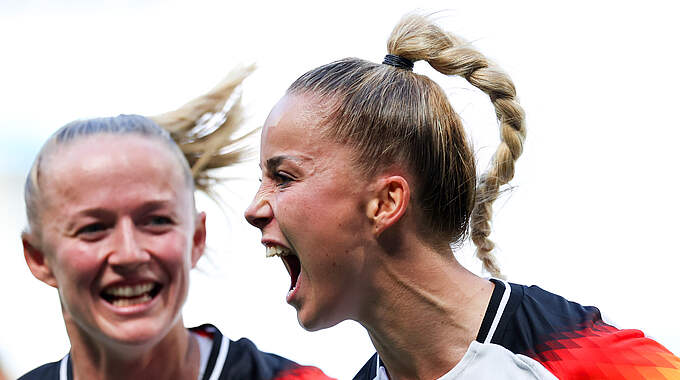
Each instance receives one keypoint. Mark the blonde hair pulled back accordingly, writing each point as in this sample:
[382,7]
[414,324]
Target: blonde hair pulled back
[391,115]
[201,133]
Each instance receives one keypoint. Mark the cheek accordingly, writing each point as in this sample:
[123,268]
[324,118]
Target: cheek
[328,223]
[76,264]
[173,249]
[291,207]
[317,202]
[306,219]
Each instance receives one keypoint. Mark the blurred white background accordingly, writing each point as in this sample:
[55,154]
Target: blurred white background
[593,216]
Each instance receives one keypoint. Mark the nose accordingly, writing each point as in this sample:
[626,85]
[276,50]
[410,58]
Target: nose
[126,252]
[259,213]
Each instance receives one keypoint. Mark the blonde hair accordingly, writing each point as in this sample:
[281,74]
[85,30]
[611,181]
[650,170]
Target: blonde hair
[204,128]
[201,134]
[392,115]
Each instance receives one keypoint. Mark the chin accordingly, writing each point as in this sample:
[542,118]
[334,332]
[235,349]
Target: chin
[316,322]
[137,334]
[140,339]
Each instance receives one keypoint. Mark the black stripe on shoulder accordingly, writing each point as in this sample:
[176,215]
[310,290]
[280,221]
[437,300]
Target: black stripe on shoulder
[216,337]
[491,310]
[368,371]
[514,302]
[69,368]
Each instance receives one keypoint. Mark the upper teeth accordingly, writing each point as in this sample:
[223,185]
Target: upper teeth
[129,290]
[277,250]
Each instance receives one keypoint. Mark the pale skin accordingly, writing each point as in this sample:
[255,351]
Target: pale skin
[421,308]
[117,211]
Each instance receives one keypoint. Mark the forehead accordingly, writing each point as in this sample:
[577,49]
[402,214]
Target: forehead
[99,166]
[294,127]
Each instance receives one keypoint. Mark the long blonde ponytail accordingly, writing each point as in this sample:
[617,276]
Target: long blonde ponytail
[416,38]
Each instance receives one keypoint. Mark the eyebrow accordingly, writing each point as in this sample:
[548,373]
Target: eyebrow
[103,213]
[275,161]
[151,206]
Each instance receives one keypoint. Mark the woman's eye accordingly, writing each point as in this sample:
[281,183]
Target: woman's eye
[282,179]
[158,220]
[95,227]
[91,231]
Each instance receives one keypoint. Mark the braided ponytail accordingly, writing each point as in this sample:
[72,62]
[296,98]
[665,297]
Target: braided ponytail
[388,114]
[417,38]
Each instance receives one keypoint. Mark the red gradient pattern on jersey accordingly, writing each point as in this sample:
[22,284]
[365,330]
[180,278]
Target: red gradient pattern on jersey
[600,351]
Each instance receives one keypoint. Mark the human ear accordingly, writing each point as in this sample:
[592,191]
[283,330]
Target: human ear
[389,203]
[37,263]
[198,240]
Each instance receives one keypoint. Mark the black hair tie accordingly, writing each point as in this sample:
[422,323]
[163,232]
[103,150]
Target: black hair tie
[399,62]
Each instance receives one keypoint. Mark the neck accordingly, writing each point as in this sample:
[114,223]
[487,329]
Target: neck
[175,356]
[425,312]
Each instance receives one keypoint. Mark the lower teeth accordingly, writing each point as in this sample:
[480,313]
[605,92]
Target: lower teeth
[123,302]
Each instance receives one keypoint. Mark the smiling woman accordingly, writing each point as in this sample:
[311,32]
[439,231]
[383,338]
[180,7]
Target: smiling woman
[114,228]
[118,236]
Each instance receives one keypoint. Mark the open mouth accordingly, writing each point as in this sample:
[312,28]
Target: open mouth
[130,295]
[290,260]
[292,263]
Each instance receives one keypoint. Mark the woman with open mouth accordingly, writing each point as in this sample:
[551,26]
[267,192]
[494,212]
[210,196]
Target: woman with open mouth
[114,228]
[368,180]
